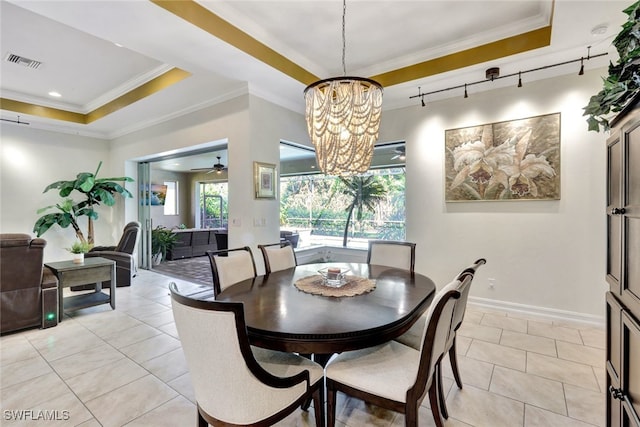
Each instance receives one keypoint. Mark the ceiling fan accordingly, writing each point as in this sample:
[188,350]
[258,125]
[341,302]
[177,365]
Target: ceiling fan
[399,154]
[217,168]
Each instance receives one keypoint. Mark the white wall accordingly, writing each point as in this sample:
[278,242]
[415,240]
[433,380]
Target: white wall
[253,129]
[31,160]
[547,254]
[543,254]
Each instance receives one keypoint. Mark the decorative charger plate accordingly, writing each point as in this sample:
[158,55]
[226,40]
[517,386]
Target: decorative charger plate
[354,285]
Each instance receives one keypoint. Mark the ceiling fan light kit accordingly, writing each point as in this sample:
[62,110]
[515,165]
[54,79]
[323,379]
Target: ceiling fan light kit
[218,168]
[343,118]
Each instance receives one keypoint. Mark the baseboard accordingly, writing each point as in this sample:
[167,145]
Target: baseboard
[543,313]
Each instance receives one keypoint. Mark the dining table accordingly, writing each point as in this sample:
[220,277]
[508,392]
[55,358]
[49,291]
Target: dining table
[281,316]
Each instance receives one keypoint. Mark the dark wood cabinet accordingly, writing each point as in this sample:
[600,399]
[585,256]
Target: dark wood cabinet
[623,268]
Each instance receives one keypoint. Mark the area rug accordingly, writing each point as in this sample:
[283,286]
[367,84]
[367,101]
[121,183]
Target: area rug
[197,270]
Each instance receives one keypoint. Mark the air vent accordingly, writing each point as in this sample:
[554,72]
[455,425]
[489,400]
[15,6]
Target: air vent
[21,60]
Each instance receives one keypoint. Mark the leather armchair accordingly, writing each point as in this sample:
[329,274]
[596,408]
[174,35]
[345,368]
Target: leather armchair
[124,254]
[28,290]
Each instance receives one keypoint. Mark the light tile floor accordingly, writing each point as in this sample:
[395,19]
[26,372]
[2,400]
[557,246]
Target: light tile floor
[103,367]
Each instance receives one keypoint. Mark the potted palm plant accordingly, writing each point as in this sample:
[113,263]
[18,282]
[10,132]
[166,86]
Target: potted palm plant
[162,241]
[96,191]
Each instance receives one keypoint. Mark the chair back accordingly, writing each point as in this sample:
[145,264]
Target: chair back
[465,286]
[21,273]
[230,266]
[438,328]
[129,239]
[392,254]
[278,256]
[20,261]
[229,384]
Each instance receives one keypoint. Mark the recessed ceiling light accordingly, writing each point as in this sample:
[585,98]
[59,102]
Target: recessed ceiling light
[118,44]
[54,94]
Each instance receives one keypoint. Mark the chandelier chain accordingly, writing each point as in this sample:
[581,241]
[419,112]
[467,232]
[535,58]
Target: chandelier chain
[344,37]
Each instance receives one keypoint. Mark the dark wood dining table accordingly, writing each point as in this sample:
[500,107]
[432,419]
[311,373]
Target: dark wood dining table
[281,317]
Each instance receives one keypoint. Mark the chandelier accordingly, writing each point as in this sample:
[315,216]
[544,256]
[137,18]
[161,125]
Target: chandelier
[343,117]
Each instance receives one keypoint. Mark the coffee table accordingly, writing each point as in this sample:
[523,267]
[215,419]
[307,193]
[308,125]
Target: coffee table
[92,270]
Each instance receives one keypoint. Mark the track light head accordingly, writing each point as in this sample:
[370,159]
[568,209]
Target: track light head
[519,78]
[422,101]
[466,95]
[581,72]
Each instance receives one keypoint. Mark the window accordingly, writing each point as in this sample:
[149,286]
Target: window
[212,205]
[345,211]
[171,198]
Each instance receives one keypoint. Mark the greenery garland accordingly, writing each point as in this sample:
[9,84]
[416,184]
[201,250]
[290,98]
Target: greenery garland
[623,82]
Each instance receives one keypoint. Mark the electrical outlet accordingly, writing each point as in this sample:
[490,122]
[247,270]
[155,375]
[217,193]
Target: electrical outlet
[492,283]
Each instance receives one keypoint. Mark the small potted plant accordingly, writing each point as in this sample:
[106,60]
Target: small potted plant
[162,240]
[78,249]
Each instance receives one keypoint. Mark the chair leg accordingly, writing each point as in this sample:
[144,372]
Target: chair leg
[411,415]
[318,405]
[201,421]
[433,401]
[453,358]
[441,397]
[331,405]
[305,405]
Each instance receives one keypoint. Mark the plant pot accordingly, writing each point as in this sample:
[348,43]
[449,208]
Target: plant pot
[157,258]
[78,258]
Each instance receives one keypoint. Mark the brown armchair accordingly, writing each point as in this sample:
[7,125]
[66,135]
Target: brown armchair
[28,290]
[123,254]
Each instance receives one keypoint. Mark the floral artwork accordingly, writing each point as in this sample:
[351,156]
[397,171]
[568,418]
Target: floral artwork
[513,160]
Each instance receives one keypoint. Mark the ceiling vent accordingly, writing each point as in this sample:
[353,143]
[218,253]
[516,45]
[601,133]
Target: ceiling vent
[21,60]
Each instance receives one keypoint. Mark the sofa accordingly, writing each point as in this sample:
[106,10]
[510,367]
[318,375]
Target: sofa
[28,289]
[291,237]
[195,242]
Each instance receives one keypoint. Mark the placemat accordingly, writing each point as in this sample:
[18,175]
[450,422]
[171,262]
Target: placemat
[354,285]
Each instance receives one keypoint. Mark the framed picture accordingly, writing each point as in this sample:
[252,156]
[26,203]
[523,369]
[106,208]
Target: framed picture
[155,195]
[512,160]
[265,180]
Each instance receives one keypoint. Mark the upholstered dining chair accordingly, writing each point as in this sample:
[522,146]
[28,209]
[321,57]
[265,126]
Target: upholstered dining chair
[278,256]
[230,266]
[412,336]
[458,315]
[234,383]
[391,253]
[395,376]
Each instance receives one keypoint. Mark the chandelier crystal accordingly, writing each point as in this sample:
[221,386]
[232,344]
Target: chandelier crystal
[343,118]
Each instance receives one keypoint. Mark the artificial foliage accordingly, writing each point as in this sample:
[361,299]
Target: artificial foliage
[623,82]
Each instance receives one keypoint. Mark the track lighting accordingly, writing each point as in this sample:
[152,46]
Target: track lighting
[493,74]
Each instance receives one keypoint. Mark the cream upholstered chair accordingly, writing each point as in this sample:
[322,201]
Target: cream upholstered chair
[391,253]
[278,256]
[458,316]
[234,383]
[412,336]
[395,376]
[230,266]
